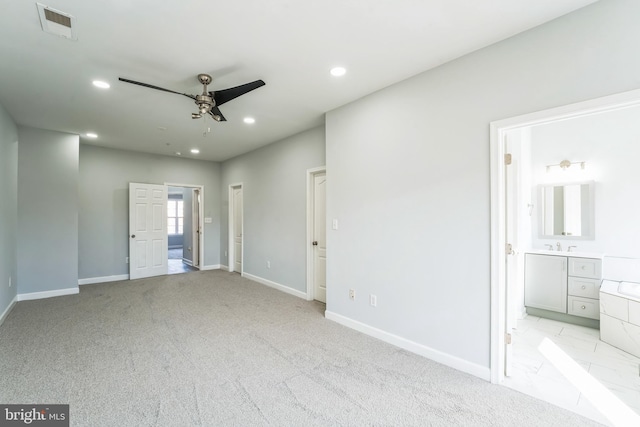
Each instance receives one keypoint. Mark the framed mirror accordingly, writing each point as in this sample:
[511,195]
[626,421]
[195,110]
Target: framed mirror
[567,210]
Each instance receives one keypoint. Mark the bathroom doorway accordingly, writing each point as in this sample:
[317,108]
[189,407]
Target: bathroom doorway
[515,359]
[184,226]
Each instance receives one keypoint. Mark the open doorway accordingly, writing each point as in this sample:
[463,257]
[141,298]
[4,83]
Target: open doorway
[236,239]
[530,346]
[184,227]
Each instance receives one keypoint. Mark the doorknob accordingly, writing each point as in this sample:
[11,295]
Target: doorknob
[133,236]
[315,243]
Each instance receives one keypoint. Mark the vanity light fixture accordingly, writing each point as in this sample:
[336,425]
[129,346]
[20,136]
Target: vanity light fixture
[92,135]
[194,151]
[566,164]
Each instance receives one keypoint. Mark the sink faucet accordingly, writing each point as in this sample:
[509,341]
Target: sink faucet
[558,246]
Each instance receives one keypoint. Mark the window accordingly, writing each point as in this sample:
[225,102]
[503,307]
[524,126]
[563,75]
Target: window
[175,218]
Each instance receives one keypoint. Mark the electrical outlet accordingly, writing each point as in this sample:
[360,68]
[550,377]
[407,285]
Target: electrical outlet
[225,253]
[268,264]
[373,300]
[126,260]
[352,294]
[9,281]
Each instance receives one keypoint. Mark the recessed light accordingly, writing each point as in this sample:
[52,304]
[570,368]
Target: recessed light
[194,151]
[92,135]
[101,84]
[178,153]
[338,71]
[249,120]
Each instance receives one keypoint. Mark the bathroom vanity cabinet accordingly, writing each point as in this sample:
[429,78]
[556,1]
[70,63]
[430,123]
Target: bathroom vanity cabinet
[563,284]
[545,282]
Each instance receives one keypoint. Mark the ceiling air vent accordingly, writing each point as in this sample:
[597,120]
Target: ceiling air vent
[56,22]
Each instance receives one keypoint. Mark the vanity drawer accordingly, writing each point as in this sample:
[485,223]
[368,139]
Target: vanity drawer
[585,267]
[583,307]
[581,287]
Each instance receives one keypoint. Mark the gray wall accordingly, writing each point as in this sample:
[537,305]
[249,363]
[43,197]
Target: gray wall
[274,197]
[8,208]
[47,210]
[104,216]
[409,174]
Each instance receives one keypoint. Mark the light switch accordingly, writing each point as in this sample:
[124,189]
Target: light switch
[208,220]
[335,224]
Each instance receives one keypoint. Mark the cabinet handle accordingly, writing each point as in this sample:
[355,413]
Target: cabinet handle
[583,307]
[584,287]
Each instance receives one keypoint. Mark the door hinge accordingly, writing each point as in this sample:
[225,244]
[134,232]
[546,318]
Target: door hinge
[509,249]
[507,159]
[507,338]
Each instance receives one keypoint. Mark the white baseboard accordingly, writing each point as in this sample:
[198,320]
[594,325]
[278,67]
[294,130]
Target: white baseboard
[275,285]
[187,261]
[428,352]
[210,267]
[6,312]
[104,279]
[224,267]
[48,294]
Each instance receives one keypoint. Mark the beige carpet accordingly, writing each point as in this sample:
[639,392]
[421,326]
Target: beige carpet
[213,349]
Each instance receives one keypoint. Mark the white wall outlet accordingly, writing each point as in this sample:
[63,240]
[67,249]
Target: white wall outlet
[373,300]
[352,294]
[225,253]
[268,264]
[334,224]
[126,260]
[9,281]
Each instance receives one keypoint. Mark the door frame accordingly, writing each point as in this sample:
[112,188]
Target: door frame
[311,173]
[497,143]
[230,245]
[196,232]
[200,217]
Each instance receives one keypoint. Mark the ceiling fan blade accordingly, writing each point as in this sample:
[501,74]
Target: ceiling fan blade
[215,111]
[155,87]
[226,95]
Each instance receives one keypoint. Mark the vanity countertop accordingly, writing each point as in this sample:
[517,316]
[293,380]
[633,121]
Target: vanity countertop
[576,254]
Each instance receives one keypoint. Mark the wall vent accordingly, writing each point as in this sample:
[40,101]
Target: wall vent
[56,22]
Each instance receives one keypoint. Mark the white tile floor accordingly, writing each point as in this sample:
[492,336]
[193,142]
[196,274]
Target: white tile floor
[533,373]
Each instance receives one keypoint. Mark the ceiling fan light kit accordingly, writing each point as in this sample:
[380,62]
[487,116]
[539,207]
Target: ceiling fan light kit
[208,101]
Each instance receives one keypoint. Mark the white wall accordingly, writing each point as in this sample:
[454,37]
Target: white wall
[47,211]
[609,143]
[274,197]
[104,214]
[8,209]
[409,172]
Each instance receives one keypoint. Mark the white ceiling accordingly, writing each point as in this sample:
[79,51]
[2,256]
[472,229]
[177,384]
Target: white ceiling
[45,80]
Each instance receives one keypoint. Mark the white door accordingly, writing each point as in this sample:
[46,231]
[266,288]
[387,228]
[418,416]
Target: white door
[319,238]
[147,230]
[237,229]
[195,225]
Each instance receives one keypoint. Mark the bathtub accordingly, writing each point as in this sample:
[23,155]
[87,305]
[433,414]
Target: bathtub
[620,315]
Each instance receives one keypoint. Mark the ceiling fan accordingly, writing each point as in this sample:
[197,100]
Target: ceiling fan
[209,101]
